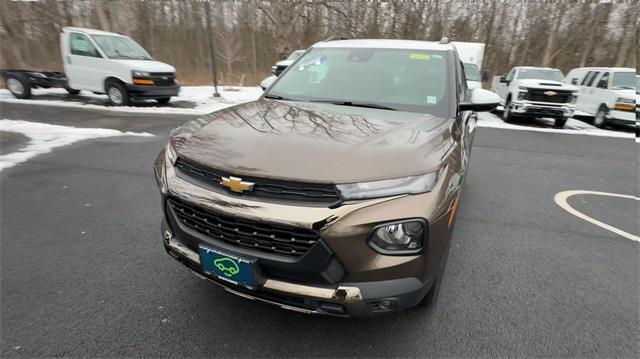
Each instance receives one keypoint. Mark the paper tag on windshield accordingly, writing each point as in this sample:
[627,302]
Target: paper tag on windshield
[432,99]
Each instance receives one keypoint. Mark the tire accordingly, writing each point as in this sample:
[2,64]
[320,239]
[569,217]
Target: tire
[71,91]
[19,85]
[600,119]
[163,100]
[117,94]
[507,115]
[561,121]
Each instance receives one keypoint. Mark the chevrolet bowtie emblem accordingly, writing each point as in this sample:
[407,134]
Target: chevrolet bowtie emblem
[550,93]
[237,184]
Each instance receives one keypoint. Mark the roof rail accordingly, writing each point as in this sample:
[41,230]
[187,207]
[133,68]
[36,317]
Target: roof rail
[336,37]
[444,40]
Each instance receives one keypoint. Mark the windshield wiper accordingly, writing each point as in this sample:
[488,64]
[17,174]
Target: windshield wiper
[623,88]
[278,97]
[356,104]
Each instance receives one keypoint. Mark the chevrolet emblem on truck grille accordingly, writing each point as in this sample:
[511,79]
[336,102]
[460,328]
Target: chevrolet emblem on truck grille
[550,93]
[237,184]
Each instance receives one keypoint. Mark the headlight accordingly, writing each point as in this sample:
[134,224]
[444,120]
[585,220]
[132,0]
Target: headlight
[137,73]
[398,238]
[392,187]
[624,104]
[172,156]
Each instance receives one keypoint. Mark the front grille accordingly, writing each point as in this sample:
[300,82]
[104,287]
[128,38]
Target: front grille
[163,78]
[536,95]
[316,193]
[265,237]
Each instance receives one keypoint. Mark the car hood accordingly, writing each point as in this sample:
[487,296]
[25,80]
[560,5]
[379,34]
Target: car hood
[147,65]
[316,142]
[546,84]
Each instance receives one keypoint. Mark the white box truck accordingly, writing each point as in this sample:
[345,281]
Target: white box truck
[100,62]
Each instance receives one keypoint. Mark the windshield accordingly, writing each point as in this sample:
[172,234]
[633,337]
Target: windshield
[294,55]
[471,72]
[406,80]
[624,80]
[119,47]
[539,74]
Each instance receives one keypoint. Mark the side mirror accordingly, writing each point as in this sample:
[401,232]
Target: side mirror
[481,101]
[266,83]
[503,80]
[574,81]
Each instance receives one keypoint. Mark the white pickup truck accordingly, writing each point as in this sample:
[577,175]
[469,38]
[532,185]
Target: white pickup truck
[536,92]
[100,62]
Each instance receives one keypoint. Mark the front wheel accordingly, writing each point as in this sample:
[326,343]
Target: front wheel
[507,115]
[561,121]
[163,100]
[600,119]
[117,94]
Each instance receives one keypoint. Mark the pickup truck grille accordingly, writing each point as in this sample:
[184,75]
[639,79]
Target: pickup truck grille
[303,192]
[261,236]
[539,95]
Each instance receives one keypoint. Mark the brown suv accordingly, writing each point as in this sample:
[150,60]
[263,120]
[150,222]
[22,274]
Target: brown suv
[336,191]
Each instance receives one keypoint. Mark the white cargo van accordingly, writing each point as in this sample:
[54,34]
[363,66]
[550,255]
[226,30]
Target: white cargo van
[609,94]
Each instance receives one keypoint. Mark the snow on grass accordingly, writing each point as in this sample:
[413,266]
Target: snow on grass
[572,126]
[192,100]
[43,138]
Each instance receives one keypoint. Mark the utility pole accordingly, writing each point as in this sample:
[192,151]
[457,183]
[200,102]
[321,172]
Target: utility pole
[211,51]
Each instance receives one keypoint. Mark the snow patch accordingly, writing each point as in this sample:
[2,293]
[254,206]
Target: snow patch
[192,100]
[45,137]
[572,126]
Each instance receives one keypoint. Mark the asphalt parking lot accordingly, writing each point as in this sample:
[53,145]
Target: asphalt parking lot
[83,271]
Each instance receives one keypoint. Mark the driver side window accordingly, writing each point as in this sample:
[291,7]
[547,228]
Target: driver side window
[80,45]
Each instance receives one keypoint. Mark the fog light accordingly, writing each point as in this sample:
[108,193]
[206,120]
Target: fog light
[398,238]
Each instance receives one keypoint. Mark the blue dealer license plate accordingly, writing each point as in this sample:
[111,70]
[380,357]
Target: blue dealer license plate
[227,267]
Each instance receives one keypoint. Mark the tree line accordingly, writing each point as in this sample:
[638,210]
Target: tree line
[251,35]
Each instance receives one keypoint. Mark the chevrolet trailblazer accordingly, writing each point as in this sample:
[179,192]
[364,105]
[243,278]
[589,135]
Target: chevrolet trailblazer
[334,193]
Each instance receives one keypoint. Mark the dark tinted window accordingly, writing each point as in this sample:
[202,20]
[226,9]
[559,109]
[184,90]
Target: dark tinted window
[604,81]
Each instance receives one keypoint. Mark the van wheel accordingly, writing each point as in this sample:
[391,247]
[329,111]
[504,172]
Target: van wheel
[507,115]
[71,91]
[117,94]
[600,119]
[163,100]
[19,85]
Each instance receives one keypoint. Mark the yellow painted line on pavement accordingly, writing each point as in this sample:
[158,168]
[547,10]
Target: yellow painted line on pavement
[562,197]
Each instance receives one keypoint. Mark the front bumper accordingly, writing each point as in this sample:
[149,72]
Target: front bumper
[151,91]
[347,299]
[542,109]
[345,276]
